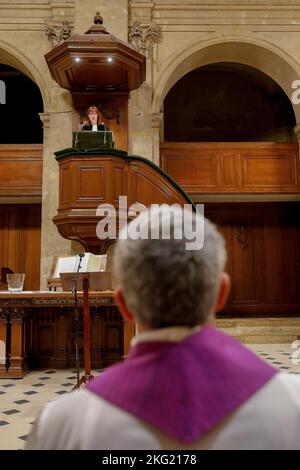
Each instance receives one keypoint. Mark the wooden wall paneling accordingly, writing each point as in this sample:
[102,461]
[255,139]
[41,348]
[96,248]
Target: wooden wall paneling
[292,278]
[263,256]
[16,241]
[65,186]
[282,275]
[21,167]
[20,237]
[61,336]
[91,183]
[119,181]
[225,227]
[33,248]
[145,185]
[245,256]
[229,167]
[44,337]
[189,171]
[270,169]
[4,237]
[112,334]
[274,254]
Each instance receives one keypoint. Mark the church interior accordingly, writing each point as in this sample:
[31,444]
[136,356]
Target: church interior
[201,101]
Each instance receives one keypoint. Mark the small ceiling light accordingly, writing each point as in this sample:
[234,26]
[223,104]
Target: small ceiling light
[109,59]
[77,59]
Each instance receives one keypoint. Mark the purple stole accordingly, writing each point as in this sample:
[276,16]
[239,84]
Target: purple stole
[184,389]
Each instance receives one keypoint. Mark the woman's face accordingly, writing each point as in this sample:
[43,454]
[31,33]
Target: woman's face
[93,117]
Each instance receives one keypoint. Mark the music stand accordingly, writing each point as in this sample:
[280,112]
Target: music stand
[95,281]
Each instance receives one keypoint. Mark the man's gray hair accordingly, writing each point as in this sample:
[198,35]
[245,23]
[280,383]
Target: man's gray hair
[163,283]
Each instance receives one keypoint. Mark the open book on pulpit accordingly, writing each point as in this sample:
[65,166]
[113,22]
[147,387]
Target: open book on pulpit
[69,264]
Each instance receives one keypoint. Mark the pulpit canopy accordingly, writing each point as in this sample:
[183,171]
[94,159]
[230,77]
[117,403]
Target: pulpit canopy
[96,61]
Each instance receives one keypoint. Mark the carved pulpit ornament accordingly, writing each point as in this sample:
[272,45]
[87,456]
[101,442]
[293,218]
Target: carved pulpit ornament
[58,34]
[143,38]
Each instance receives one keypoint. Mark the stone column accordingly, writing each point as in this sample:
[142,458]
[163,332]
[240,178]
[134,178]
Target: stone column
[139,122]
[143,36]
[57,136]
[156,136]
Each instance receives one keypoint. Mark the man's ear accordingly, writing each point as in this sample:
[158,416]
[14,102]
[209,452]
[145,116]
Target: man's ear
[121,303]
[223,292]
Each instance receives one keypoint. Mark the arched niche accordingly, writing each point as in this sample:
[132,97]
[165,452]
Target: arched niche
[255,53]
[20,121]
[228,102]
[15,58]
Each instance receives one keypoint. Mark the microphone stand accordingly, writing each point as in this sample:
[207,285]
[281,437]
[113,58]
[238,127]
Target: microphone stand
[76,318]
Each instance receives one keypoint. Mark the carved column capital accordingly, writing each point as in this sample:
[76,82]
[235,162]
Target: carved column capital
[45,118]
[58,33]
[144,37]
[17,315]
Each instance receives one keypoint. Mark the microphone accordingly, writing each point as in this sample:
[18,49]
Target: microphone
[81,255]
[76,317]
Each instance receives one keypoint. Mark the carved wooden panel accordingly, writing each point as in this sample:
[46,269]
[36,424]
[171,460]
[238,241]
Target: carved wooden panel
[229,167]
[233,167]
[147,186]
[270,170]
[96,179]
[201,167]
[119,181]
[21,168]
[263,245]
[245,280]
[65,185]
[54,342]
[91,183]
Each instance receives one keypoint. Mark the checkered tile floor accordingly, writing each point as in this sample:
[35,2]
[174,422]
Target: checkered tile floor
[21,400]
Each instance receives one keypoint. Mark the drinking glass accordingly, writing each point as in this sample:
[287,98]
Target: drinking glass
[15,282]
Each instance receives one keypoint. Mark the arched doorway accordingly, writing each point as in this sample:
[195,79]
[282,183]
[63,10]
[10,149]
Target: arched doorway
[229,141]
[21,155]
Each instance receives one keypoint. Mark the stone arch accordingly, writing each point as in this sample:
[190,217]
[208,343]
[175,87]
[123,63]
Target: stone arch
[12,56]
[256,53]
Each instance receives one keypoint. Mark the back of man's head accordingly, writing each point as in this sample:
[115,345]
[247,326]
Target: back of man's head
[167,280]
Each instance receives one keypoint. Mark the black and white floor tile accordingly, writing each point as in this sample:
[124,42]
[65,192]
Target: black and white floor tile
[21,400]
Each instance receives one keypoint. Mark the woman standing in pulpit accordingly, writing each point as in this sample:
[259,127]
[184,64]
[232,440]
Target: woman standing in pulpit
[94,122]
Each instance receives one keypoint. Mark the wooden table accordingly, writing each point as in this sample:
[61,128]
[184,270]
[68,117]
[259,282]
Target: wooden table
[37,330]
